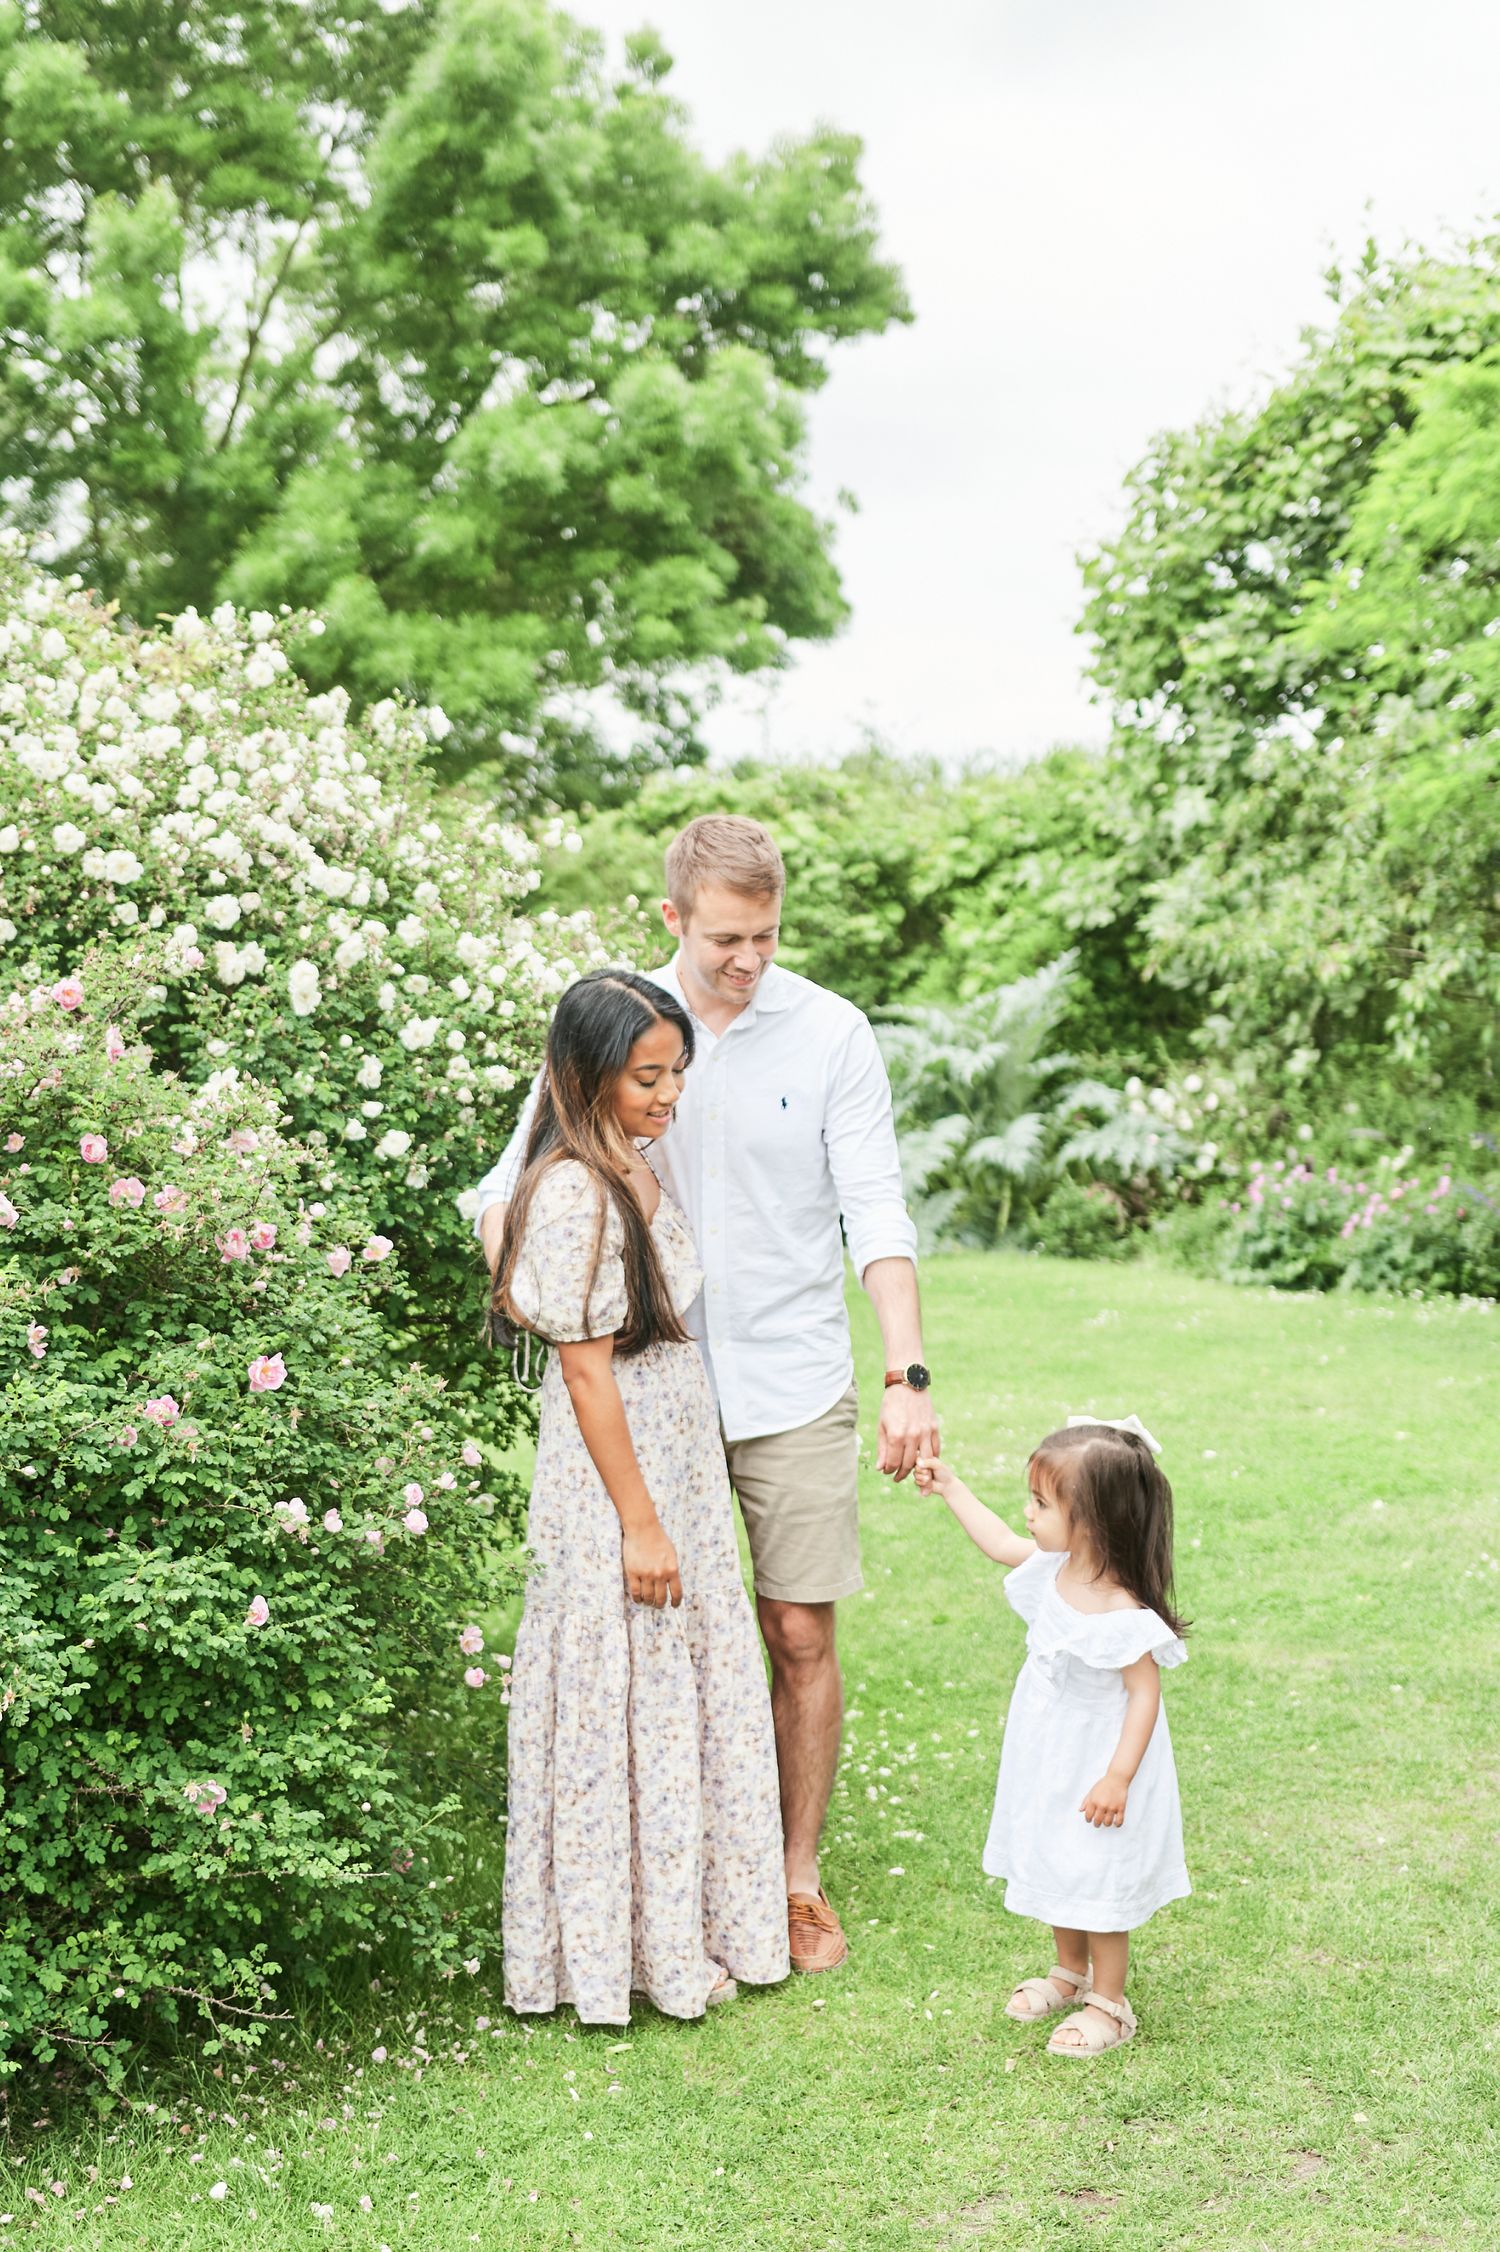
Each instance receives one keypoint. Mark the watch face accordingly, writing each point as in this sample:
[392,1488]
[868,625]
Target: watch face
[918,1377]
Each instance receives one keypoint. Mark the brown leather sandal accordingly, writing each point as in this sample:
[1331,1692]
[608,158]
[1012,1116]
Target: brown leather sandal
[815,1937]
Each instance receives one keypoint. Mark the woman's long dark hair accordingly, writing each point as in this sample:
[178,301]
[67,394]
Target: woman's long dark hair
[1120,1503]
[598,1022]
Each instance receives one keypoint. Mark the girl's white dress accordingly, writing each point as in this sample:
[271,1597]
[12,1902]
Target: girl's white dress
[1065,1717]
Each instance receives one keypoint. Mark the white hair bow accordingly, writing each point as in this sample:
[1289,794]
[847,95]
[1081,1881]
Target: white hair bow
[1131,1423]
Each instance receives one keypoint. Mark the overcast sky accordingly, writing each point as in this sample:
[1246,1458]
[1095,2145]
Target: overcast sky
[1110,217]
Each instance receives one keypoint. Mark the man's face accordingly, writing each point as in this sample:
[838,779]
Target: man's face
[727,938]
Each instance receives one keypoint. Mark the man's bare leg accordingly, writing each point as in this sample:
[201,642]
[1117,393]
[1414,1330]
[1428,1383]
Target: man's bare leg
[807,1707]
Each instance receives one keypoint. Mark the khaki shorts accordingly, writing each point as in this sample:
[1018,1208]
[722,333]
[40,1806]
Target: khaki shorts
[799,1496]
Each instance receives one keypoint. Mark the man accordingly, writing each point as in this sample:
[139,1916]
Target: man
[784,1128]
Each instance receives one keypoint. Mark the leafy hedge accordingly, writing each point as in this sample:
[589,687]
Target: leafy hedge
[242,1550]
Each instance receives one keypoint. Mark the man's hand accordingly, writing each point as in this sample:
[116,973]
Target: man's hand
[908,1428]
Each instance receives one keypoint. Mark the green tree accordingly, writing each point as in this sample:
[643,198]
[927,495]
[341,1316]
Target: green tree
[422,318]
[1293,766]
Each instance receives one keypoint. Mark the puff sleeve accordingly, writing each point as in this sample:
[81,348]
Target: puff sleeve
[1027,1583]
[550,1284]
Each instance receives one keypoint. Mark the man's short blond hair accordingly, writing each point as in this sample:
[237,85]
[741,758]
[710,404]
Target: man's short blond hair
[727,849]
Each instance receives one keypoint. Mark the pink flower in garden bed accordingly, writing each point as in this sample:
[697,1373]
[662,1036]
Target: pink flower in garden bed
[332,1521]
[259,1612]
[127,1190]
[114,1043]
[475,1677]
[163,1411]
[234,1244]
[470,1455]
[205,1798]
[68,993]
[267,1372]
[340,1259]
[471,1641]
[128,1436]
[13,1142]
[36,1341]
[411,1494]
[170,1199]
[262,1236]
[93,1149]
[415,1520]
[8,1213]
[379,1247]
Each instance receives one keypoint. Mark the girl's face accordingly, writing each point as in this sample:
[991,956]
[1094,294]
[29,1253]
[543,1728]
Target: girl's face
[647,1090]
[1047,1518]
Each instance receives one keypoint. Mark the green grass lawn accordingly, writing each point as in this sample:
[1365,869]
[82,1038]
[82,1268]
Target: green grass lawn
[1320,2023]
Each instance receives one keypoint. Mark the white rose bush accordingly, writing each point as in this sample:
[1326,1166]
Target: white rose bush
[263,1020]
[322,929]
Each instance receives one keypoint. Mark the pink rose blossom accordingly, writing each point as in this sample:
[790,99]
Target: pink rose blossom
[471,1456]
[186,1142]
[170,1199]
[503,1659]
[163,1410]
[242,1141]
[93,1149]
[36,1341]
[128,1436]
[68,993]
[447,1481]
[267,1372]
[471,1642]
[401,1859]
[258,1613]
[13,1142]
[204,1798]
[475,1677]
[332,1521]
[8,1213]
[340,1259]
[127,1190]
[415,1520]
[114,1043]
[379,1247]
[262,1236]
[375,1537]
[234,1244]
[411,1494]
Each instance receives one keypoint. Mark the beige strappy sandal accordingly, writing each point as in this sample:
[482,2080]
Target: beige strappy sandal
[1094,2043]
[1048,2003]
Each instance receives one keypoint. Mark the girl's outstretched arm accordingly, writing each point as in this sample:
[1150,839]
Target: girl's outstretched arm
[987,1531]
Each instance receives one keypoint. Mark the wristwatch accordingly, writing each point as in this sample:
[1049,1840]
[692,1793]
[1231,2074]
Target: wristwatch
[914,1374]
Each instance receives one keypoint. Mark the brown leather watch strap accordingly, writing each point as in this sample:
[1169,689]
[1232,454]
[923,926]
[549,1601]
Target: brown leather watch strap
[894,1376]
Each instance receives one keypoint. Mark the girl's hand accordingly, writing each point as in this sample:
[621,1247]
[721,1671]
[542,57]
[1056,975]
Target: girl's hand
[1105,1804]
[933,1476]
[651,1572]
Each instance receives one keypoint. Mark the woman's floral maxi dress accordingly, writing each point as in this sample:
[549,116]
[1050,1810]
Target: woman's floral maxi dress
[644,1841]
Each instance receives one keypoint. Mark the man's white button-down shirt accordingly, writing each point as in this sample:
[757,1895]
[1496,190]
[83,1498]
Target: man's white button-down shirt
[784,1127]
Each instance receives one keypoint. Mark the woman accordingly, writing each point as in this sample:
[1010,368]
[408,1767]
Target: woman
[644,1847]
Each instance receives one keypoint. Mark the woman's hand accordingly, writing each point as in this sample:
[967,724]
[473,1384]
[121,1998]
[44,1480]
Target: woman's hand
[651,1572]
[1105,1804]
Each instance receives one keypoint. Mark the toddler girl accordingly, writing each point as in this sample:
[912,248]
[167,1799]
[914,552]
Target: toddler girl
[1087,1827]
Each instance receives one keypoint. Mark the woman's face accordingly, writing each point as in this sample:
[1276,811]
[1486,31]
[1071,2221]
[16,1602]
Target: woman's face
[647,1090]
